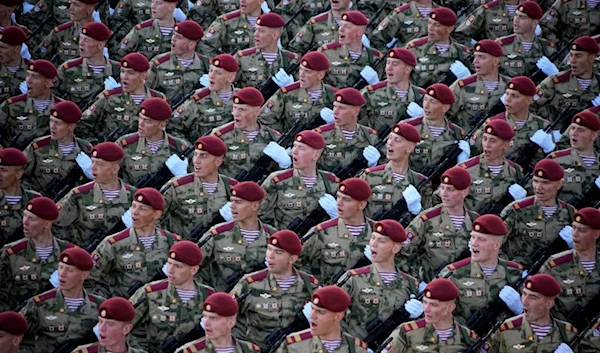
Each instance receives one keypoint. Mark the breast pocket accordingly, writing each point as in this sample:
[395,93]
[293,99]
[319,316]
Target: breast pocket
[158,316]
[54,324]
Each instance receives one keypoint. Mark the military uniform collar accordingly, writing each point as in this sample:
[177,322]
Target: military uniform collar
[377,281]
[100,198]
[431,337]
[477,272]
[388,176]
[296,287]
[62,305]
[173,296]
[529,335]
[210,348]
[142,145]
[486,173]
[430,48]
[214,96]
[32,256]
[136,239]
[429,135]
[581,270]
[199,189]
[18,205]
[303,96]
[344,53]
[576,155]
[343,231]
[447,223]
[55,152]
[30,108]
[331,24]
[239,239]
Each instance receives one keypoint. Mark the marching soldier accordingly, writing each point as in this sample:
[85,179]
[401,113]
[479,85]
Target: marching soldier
[13,67]
[566,20]
[12,328]
[488,21]
[564,141]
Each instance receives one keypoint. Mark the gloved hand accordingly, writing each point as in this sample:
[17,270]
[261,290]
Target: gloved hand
[524,274]
[54,279]
[372,155]
[369,75]
[96,16]
[596,332]
[597,181]
[365,40]
[265,7]
[473,42]
[503,98]
[596,101]
[25,51]
[369,350]
[459,69]
[328,203]
[85,163]
[204,80]
[327,115]
[281,78]
[538,30]
[278,154]
[367,252]
[165,269]
[191,4]
[27,7]
[179,15]
[111,11]
[96,330]
[512,298]
[465,151]
[556,135]
[567,235]
[392,43]
[177,166]
[414,110]
[544,140]
[23,87]
[414,307]
[111,83]
[563,348]
[422,286]
[105,52]
[546,66]
[517,192]
[350,5]
[126,218]
[307,310]
[225,211]
[413,199]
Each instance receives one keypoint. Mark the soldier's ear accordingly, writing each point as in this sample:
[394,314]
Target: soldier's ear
[127,329]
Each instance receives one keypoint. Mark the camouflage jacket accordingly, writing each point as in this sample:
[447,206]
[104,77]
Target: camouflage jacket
[11,216]
[516,61]
[317,31]
[340,152]
[227,34]
[97,348]
[204,345]
[60,45]
[305,342]
[345,71]
[9,82]
[146,39]
[419,336]
[579,177]
[566,20]
[255,70]
[488,21]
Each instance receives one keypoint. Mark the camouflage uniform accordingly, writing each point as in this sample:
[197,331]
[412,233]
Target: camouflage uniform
[146,39]
[591,342]
[162,314]
[225,251]
[564,141]
[254,69]
[9,82]
[268,308]
[488,21]
[288,197]
[85,211]
[205,12]
[345,71]
[11,216]
[305,342]
[230,32]
[203,345]
[516,61]
[60,45]
[97,348]
[579,178]
[320,29]
[373,299]
[340,152]
[528,228]
[128,13]
[121,259]
[287,8]
[566,20]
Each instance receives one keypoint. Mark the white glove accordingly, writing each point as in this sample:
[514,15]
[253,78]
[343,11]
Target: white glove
[225,211]
[596,101]
[177,166]
[369,75]
[544,140]
[524,274]
[23,87]
[414,110]
[126,218]
[546,66]
[503,98]
[459,69]
[179,15]
[465,151]
[25,51]
[372,155]
[422,286]
[563,348]
[278,154]
[85,163]
[470,246]
[327,115]
[596,332]
[414,307]
[367,252]
[165,269]
[517,192]
[538,30]
[105,52]
[512,298]
[190,4]
[369,350]
[365,40]
[96,16]
[265,7]
[54,279]
[204,80]
[597,182]
[27,7]
[350,5]
[413,199]
[281,78]
[111,11]
[307,310]
[328,203]
[567,235]
[111,83]
[279,44]
[473,41]
[96,330]
[392,43]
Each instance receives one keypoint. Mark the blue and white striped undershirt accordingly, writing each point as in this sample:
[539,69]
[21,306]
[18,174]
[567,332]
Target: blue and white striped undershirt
[401,94]
[488,270]
[527,45]
[588,160]
[355,230]
[424,11]
[337,20]
[250,236]
[584,83]
[96,69]
[495,169]
[348,135]
[589,265]
[592,3]
[147,241]
[490,85]
[74,303]
[79,30]
[111,194]
[185,62]
[398,177]
[315,95]
[251,135]
[457,221]
[153,146]
[210,188]
[286,283]
[186,295]
[541,331]
[165,31]
[225,350]
[445,334]
[309,181]
[252,20]
[436,131]
[138,98]
[66,149]
[41,105]
[511,9]
[331,345]
[354,54]
[549,210]
[269,57]
[13,199]
[388,277]
[442,48]
[226,97]
[520,124]
[44,252]
[13,69]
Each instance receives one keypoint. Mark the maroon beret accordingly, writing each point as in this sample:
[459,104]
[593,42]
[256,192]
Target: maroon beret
[403,54]
[97,31]
[457,177]
[531,9]
[315,60]
[409,132]
[442,93]
[356,18]
[221,304]
[10,2]
[77,257]
[212,145]
[66,111]
[356,188]
[108,151]
[544,284]
[271,20]
[392,229]
[225,62]
[13,323]
[523,84]
[585,43]
[286,240]
[43,207]
[13,35]
[12,157]
[150,197]
[588,216]
[548,169]
[117,308]
[250,96]
[350,96]
[44,67]
[135,61]
[489,46]
[156,109]
[490,224]
[441,289]
[189,29]
[187,252]
[332,298]
[587,119]
[248,190]
[443,15]
[311,138]
[500,128]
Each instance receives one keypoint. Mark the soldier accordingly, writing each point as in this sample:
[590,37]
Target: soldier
[173,306]
[395,180]
[488,21]
[91,210]
[566,20]
[591,342]
[13,67]
[151,148]
[219,317]
[483,277]
[12,328]
[191,201]
[27,264]
[297,13]
[25,117]
[277,293]
[116,110]
[296,192]
[65,313]
[442,232]
[351,59]
[329,305]
[177,72]
[380,289]
[537,220]
[564,141]
[136,254]
[13,196]
[234,248]
[535,330]
[439,330]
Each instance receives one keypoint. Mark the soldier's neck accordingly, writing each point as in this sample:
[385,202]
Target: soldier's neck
[334,334]
[355,47]
[547,203]
[147,231]
[356,219]
[160,135]
[442,41]
[271,48]
[308,171]
[458,210]
[254,13]
[492,76]
[117,347]
[76,292]
[13,190]
[436,121]
[289,272]
[587,151]
[386,266]
[16,61]
[250,223]
[348,126]
[587,254]
[444,323]
[489,262]
[424,3]
[169,21]
[511,2]
[139,90]
[527,37]
[211,178]
[225,341]
[543,321]
[43,239]
[113,184]
[188,285]
[316,87]
[400,165]
[252,127]
[403,85]
[495,161]
[339,13]
[66,140]
[46,95]
[225,89]
[520,116]
[96,60]
[587,74]
[84,21]
[186,56]
[6,21]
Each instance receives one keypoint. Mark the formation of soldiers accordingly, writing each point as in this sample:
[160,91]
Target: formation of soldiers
[299,176]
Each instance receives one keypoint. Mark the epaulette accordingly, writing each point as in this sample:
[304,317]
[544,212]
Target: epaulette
[202,94]
[596,325]
[527,202]
[283,176]
[267,229]
[127,187]
[183,180]
[496,117]
[327,224]
[83,188]
[376,53]
[222,228]
[459,264]
[93,298]
[562,77]
[225,129]
[257,276]
[360,271]
[42,142]
[131,139]
[113,91]
[331,46]
[468,80]
[91,348]
[375,169]
[325,128]
[464,48]
[413,325]
[371,130]
[571,328]
[513,264]
[418,42]
[198,346]
[16,99]
[144,24]
[124,234]
[512,164]
[433,213]
[471,162]
[415,121]
[378,85]
[421,176]
[45,296]
[312,279]
[173,142]
[161,285]
[291,55]
[560,153]
[18,247]
[157,94]
[72,63]
[361,343]
[472,334]
[594,110]
[550,43]
[298,337]
[294,86]
[164,58]
[247,52]
[332,177]
[402,8]
[335,89]
[63,26]
[232,15]
[491,4]
[232,182]
[560,259]
[506,40]
[253,347]
[319,18]
[512,323]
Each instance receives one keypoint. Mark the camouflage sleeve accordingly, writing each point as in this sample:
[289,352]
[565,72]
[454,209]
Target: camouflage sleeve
[427,195]
[169,197]
[398,343]
[69,213]
[183,120]
[59,86]
[267,213]
[30,314]
[510,222]
[214,38]
[310,257]
[6,279]
[47,48]
[204,12]
[496,343]
[101,280]
[409,255]
[471,28]
[122,15]
[129,44]
[452,113]
[544,105]
[141,311]
[241,325]
[94,115]
[152,81]
[3,123]
[590,343]
[303,40]
[386,30]
[476,147]
[273,112]
[551,22]
[29,180]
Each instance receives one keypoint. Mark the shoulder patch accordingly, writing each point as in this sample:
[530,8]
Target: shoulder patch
[16,99]
[497,116]
[413,325]
[361,343]
[513,264]
[402,8]
[376,53]
[415,121]
[222,228]
[327,224]
[124,234]
[289,88]
[200,345]
[562,77]
[459,264]
[471,162]
[506,40]
[232,15]
[83,188]
[17,248]
[253,347]
[468,80]
[64,26]
[360,271]
[571,328]
[550,43]
[291,55]
[512,323]
[183,180]
[331,46]
[283,176]
[162,285]
[491,4]
[332,177]
[376,86]
[298,337]
[92,348]
[45,296]
[225,129]
[155,93]
[131,139]
[247,52]
[377,168]
[42,142]
[72,63]
[325,128]
[418,42]
[527,202]
[202,94]
[431,214]
[144,24]
[320,18]
[560,153]
[231,181]
[164,58]
[257,276]
[112,92]
[559,260]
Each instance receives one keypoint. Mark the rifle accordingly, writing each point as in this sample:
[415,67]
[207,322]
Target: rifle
[361,82]
[400,207]
[537,75]
[579,316]
[476,346]
[495,207]
[590,324]
[591,198]
[40,27]
[163,175]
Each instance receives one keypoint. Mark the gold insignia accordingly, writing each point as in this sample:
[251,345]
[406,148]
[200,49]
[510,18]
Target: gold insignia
[396,129]
[577,218]
[305,63]
[172,255]
[316,301]
[338,98]
[31,67]
[236,100]
[199,146]
[521,8]
[216,62]
[540,173]
[574,47]
[431,92]
[30,207]
[258,21]
[208,307]
[274,241]
[577,120]
[379,229]
[103,313]
[84,31]
[65,259]
[94,154]
[125,63]
[433,15]
[529,285]
[477,47]
[477,227]
[446,180]
[342,187]
[511,85]
[233,192]
[299,138]
[489,129]
[391,54]
[428,294]
[143,111]
[344,17]
[55,113]
[140,198]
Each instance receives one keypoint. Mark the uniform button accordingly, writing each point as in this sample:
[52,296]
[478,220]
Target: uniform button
[34,260]
[530,338]
[202,194]
[239,241]
[62,310]
[345,235]
[137,248]
[174,301]
[101,201]
[299,187]
[377,283]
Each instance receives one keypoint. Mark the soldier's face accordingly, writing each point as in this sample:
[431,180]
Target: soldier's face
[148,127]
[311,79]
[437,311]
[9,176]
[349,208]
[544,189]
[79,11]
[143,216]
[265,36]
[451,197]
[181,45]
[9,343]
[349,32]
[70,277]
[60,129]
[581,62]
[180,273]
[396,71]
[493,147]
[6,11]
[205,164]
[37,84]
[217,326]
[89,47]
[249,6]
[383,248]
[242,210]
[161,9]
[484,247]
[323,321]
[398,147]
[339,5]
[433,108]
[437,32]
[219,78]
[112,332]
[582,138]
[131,80]
[516,102]
[245,116]
[345,115]
[584,237]
[279,261]
[522,24]
[485,63]
[104,171]
[304,156]
[9,52]
[34,225]
[535,305]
